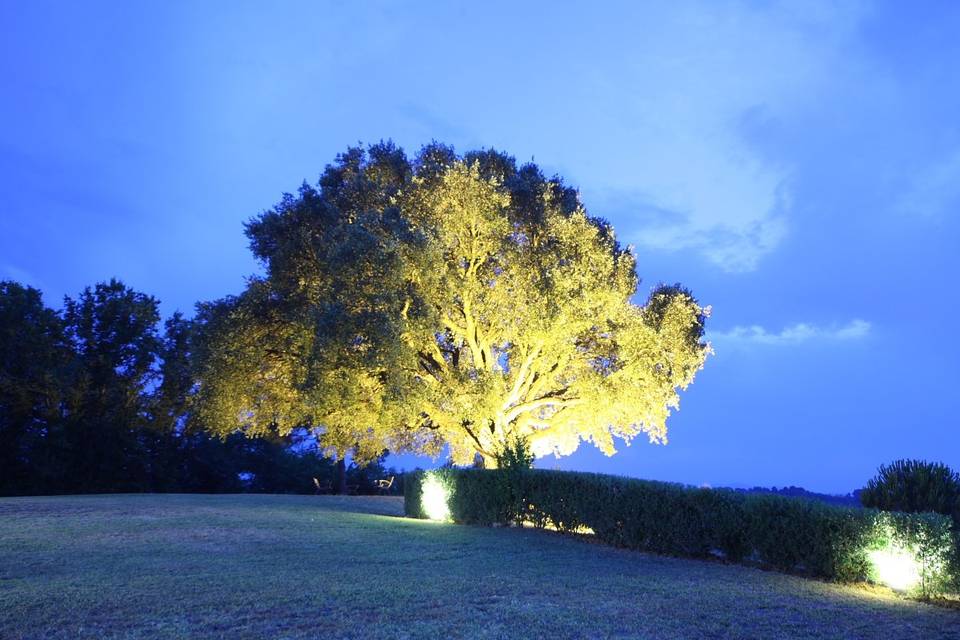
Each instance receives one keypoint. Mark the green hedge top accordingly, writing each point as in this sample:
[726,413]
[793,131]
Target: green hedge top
[783,533]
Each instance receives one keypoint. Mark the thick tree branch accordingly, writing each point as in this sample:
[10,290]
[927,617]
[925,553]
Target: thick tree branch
[555,399]
[521,378]
[477,444]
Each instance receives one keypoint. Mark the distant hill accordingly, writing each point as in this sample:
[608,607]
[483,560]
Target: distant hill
[848,500]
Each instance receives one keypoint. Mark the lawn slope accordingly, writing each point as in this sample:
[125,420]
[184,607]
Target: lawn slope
[247,566]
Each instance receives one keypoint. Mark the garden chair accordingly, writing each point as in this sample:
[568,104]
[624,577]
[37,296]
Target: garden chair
[383,485]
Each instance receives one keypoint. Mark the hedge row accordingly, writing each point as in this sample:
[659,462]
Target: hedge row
[783,533]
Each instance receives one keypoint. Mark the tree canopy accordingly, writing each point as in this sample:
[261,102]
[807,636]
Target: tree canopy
[445,300]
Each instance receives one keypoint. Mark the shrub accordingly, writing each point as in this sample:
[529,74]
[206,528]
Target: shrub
[728,512]
[556,500]
[795,534]
[482,497]
[928,538]
[412,494]
[955,562]
[514,460]
[664,518]
[778,530]
[515,454]
[783,533]
[475,497]
[914,486]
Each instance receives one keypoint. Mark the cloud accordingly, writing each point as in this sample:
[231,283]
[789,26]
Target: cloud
[688,103]
[933,192]
[794,334]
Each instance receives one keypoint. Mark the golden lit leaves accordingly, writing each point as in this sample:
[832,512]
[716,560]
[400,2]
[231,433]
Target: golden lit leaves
[456,308]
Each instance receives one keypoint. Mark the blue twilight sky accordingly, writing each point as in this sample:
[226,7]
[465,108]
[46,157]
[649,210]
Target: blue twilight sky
[796,164]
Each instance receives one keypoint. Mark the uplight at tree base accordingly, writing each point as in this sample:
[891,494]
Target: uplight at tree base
[895,567]
[435,498]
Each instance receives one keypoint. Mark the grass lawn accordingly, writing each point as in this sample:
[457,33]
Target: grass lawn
[249,566]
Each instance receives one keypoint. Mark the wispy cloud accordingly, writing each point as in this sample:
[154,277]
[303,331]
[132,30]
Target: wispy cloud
[794,334]
[688,99]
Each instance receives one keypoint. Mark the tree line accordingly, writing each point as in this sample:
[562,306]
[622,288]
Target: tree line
[97,397]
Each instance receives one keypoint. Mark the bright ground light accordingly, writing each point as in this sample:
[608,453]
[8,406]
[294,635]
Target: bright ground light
[434,497]
[896,567]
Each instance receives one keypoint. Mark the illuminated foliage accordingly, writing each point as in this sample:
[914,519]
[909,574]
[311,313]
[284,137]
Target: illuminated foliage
[460,301]
[914,552]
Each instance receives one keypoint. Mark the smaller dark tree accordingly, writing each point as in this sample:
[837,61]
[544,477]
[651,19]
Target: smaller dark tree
[36,373]
[914,486]
[113,332]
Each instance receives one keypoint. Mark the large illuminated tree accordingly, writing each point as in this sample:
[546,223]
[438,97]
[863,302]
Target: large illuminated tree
[449,300]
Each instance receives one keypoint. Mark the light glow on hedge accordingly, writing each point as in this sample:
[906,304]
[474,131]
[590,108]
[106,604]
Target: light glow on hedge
[896,567]
[435,498]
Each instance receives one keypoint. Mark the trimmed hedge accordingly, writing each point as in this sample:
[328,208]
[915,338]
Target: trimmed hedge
[783,533]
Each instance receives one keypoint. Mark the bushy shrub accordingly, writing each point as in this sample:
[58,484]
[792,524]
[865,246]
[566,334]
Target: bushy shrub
[914,486]
[728,512]
[514,460]
[955,562]
[482,497]
[475,496]
[928,538]
[652,516]
[839,539]
[412,493]
[783,533]
[555,500]
[662,518]
[515,454]
[775,526]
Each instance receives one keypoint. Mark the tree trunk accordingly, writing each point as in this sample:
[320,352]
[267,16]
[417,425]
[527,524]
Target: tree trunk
[341,484]
[488,461]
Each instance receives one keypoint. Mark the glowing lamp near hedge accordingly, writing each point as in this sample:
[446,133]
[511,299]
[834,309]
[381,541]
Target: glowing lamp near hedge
[434,498]
[895,567]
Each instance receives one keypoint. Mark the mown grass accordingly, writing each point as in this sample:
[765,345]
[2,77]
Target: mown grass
[247,566]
